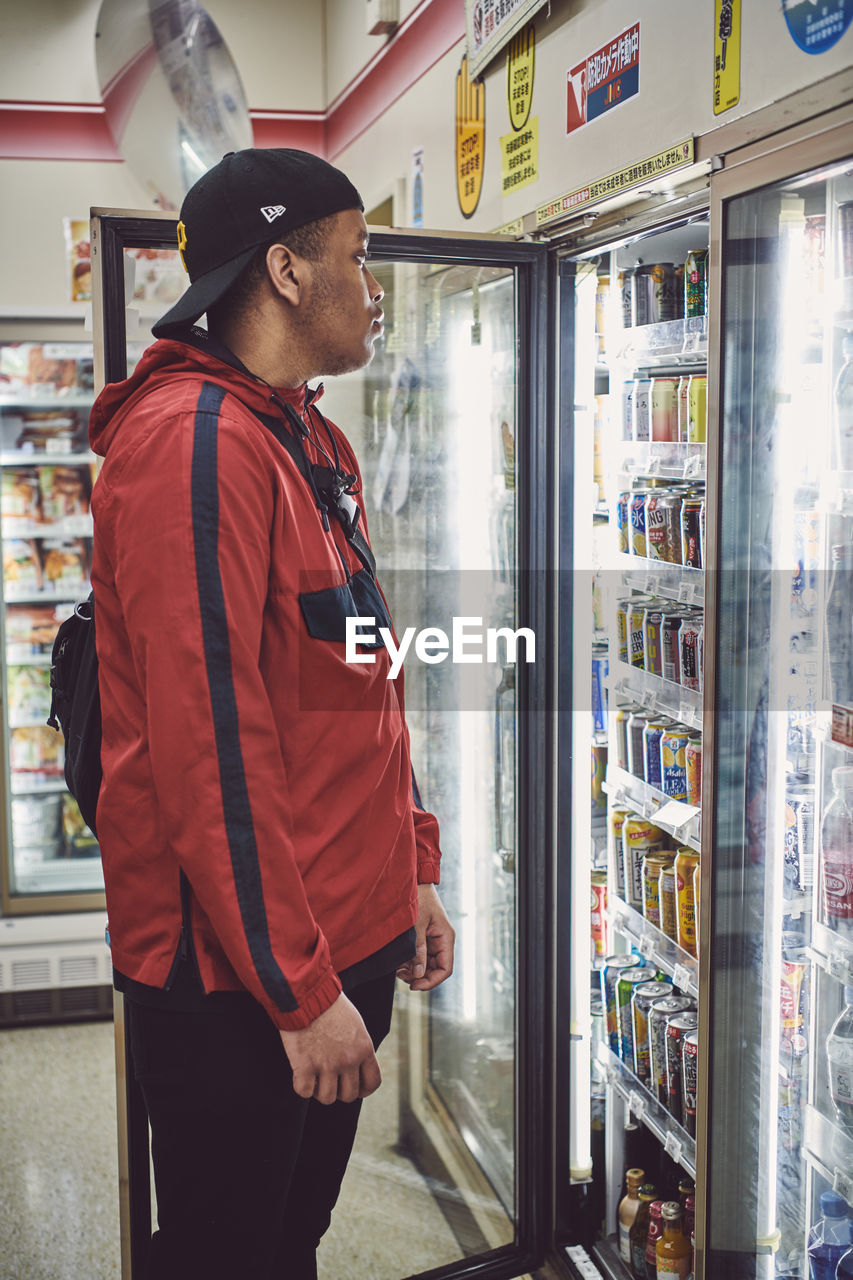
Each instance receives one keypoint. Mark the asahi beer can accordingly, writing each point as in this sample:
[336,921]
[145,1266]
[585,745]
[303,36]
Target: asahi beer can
[615,822]
[625,280]
[664,410]
[652,641]
[683,408]
[696,283]
[629,979]
[639,837]
[652,736]
[688,652]
[636,635]
[653,865]
[645,995]
[697,409]
[693,764]
[636,724]
[600,672]
[613,967]
[654,293]
[628,410]
[668,902]
[670,651]
[691,533]
[663,526]
[686,860]
[638,522]
[598,917]
[642,410]
[689,1080]
[659,1013]
[676,1029]
[623,521]
[673,764]
[799,835]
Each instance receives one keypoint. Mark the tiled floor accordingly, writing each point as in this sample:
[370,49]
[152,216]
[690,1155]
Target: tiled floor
[58,1199]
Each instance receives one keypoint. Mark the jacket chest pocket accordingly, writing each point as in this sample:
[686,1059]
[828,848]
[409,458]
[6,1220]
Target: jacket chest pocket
[325,612]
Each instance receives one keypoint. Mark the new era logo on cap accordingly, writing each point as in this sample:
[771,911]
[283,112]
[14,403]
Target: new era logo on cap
[273,211]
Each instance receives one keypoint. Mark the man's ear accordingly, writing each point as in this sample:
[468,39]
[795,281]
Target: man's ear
[285,273]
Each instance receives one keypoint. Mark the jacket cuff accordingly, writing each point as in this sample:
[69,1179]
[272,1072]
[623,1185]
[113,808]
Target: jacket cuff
[320,998]
[429,871]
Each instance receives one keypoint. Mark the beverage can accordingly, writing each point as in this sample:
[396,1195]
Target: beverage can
[696,888]
[619,736]
[638,522]
[642,410]
[617,865]
[636,725]
[697,409]
[598,914]
[625,282]
[663,526]
[702,531]
[659,1013]
[645,995]
[628,409]
[689,1080]
[676,1029]
[686,859]
[664,410]
[799,835]
[700,655]
[654,293]
[691,541]
[623,522]
[653,732]
[639,837]
[636,635]
[613,967]
[600,672]
[598,775]
[652,641]
[653,864]
[683,408]
[602,295]
[622,610]
[688,639]
[629,979]
[693,765]
[696,283]
[668,902]
[670,645]
[673,764]
[844,214]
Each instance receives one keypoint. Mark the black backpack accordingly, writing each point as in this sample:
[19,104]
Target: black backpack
[75,706]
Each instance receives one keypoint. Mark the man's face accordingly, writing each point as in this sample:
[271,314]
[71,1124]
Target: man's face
[342,317]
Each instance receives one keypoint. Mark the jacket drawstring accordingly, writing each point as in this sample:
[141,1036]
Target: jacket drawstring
[301,433]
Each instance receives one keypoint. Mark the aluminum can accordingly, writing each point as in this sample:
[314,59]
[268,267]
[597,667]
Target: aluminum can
[642,410]
[653,865]
[673,765]
[614,966]
[652,640]
[702,531]
[639,837]
[636,725]
[628,410]
[696,889]
[691,534]
[697,409]
[602,294]
[623,608]
[659,1013]
[663,526]
[600,672]
[637,511]
[845,238]
[676,1029]
[670,650]
[664,410]
[700,654]
[689,1080]
[619,736]
[598,916]
[683,408]
[653,733]
[628,980]
[615,822]
[636,636]
[799,835]
[623,521]
[686,860]
[645,995]
[625,281]
[598,774]
[679,293]
[693,764]
[668,903]
[654,293]
[688,653]
[696,283]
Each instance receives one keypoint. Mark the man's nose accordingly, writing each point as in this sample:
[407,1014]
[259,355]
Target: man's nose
[377,293]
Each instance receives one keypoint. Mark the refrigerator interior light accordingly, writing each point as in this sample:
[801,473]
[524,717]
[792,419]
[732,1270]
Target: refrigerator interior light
[192,156]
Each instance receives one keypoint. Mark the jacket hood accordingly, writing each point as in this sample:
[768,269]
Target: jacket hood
[196,356]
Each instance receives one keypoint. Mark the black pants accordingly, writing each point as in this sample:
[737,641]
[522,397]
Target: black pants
[247,1173]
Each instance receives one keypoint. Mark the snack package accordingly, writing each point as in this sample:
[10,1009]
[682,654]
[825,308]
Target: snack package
[37,752]
[28,694]
[31,629]
[55,429]
[65,491]
[22,568]
[65,565]
[20,496]
[79,840]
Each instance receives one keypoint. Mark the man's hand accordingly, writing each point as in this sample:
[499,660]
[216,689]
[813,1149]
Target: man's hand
[333,1058]
[433,960]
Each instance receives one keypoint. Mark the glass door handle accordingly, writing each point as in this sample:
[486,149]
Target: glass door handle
[506,686]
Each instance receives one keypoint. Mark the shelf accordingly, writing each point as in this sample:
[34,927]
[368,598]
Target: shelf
[56,531]
[676,817]
[656,577]
[670,342]
[61,875]
[69,595]
[655,946]
[656,694]
[29,722]
[22,787]
[829,1150]
[832,953]
[43,404]
[46,458]
[27,659]
[675,1140]
[669,460]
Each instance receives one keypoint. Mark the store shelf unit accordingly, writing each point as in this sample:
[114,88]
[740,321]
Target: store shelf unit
[642,1104]
[676,817]
[654,946]
[656,694]
[671,581]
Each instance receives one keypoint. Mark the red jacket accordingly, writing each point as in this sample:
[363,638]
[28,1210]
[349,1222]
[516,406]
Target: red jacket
[238,744]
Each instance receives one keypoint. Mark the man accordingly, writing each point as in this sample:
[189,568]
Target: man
[267,862]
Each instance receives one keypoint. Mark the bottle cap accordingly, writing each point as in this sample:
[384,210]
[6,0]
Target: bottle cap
[832,1205]
[635,1175]
[647,1191]
[842,778]
[671,1210]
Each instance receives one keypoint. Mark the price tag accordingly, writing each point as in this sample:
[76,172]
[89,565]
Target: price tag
[839,966]
[648,583]
[647,946]
[695,466]
[677,813]
[672,1146]
[843,1184]
[681,977]
[685,591]
[685,709]
[636,1104]
[653,466]
[651,698]
[650,808]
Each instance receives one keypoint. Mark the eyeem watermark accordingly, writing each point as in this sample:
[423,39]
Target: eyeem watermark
[465,644]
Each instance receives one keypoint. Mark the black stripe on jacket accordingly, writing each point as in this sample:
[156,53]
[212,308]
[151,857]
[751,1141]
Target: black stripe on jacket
[239,825]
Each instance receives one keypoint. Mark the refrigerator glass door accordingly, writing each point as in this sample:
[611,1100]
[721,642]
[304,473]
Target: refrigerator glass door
[443,424]
[780,950]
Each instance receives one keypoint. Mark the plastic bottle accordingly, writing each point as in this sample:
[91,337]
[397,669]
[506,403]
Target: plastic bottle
[673,1248]
[839,1062]
[844,1271]
[640,1232]
[843,442]
[829,1238]
[628,1206]
[836,851]
[839,623]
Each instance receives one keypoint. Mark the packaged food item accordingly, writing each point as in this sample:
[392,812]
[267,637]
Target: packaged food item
[36,751]
[28,690]
[31,629]
[35,820]
[65,491]
[22,567]
[19,496]
[79,840]
[53,429]
[65,564]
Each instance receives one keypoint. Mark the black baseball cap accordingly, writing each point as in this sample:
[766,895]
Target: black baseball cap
[248,199]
